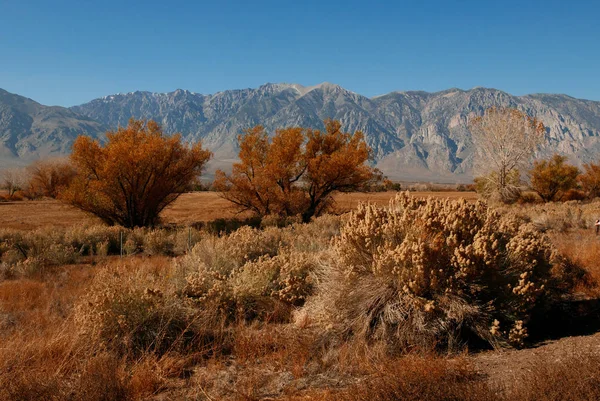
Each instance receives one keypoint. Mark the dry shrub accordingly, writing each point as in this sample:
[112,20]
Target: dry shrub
[435,273]
[44,357]
[49,177]
[132,310]
[528,197]
[557,217]
[28,253]
[89,239]
[255,273]
[583,248]
[159,242]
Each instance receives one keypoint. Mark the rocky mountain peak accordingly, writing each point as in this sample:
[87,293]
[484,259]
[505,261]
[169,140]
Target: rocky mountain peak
[415,135]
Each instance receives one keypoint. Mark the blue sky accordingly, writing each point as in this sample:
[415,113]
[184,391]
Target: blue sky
[69,52]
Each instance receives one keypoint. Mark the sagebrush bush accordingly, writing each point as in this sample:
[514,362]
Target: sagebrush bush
[556,216]
[251,271]
[435,272]
[28,252]
[133,311]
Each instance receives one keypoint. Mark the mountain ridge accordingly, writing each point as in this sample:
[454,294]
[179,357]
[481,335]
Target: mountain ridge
[415,135]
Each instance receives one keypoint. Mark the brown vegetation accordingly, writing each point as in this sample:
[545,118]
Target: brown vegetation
[297,171]
[240,315]
[590,180]
[552,179]
[505,140]
[48,178]
[131,179]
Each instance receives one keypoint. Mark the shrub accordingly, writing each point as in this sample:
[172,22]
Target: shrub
[528,197]
[132,312]
[552,178]
[297,171]
[590,180]
[488,186]
[131,179]
[251,273]
[435,272]
[49,177]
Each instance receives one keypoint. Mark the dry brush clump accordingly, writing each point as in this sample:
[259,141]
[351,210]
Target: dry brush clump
[255,273]
[557,217]
[436,273]
[26,253]
[132,310]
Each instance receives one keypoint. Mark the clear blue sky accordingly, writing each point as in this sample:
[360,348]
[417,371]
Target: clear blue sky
[67,52]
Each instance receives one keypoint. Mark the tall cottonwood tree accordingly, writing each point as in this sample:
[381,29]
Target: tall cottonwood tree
[297,171]
[132,178]
[505,139]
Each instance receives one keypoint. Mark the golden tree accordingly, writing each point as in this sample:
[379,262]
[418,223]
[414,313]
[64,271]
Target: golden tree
[297,171]
[505,139]
[131,179]
[552,178]
[590,180]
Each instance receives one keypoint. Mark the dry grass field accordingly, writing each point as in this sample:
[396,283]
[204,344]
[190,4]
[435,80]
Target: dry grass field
[263,314]
[188,209]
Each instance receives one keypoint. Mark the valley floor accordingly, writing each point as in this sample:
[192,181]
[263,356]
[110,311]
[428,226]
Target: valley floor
[190,208]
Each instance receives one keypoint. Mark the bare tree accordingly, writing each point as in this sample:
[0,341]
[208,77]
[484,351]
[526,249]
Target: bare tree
[505,139]
[49,177]
[13,180]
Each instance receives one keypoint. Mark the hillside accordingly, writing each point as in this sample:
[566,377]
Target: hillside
[29,130]
[414,135]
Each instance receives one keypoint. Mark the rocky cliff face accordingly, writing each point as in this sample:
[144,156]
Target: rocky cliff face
[30,131]
[414,135]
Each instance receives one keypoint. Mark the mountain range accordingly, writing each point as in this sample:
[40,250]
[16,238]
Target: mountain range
[415,136]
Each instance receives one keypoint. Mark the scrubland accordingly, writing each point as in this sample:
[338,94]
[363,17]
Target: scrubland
[438,299]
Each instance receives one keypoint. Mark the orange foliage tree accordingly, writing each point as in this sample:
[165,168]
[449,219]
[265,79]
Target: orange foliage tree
[590,180]
[297,171]
[551,179]
[131,179]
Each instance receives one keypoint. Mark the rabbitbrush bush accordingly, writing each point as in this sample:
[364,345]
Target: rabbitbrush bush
[131,309]
[435,272]
[254,272]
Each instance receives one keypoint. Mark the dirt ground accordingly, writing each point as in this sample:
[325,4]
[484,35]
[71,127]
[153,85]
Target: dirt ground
[189,208]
